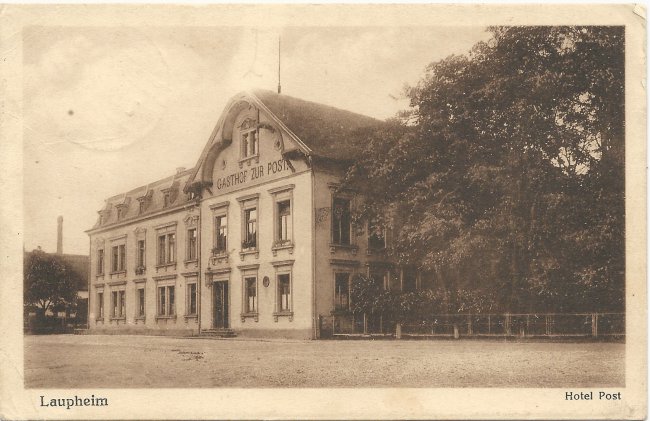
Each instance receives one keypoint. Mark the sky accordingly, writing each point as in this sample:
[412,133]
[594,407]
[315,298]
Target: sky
[108,109]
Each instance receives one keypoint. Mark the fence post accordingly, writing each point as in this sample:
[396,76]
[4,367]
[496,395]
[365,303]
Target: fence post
[469,325]
[594,325]
[547,320]
[489,326]
[381,323]
[365,324]
[398,331]
[507,324]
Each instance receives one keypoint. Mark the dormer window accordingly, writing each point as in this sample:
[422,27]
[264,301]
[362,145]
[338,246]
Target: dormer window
[121,211]
[166,200]
[249,139]
[141,209]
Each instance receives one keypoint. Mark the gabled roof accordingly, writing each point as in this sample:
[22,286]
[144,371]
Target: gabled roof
[327,131]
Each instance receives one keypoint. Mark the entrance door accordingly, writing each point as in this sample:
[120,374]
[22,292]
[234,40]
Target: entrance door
[220,301]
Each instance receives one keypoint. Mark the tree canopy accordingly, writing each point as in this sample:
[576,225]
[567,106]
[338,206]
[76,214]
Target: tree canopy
[49,284]
[506,174]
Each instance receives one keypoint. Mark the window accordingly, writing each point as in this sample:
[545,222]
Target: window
[251,294]
[118,304]
[120,213]
[118,263]
[166,200]
[114,262]
[250,220]
[100,262]
[284,292]
[381,277]
[221,234]
[100,305]
[284,233]
[409,279]
[141,305]
[166,301]
[122,263]
[376,236]
[166,248]
[191,244]
[141,208]
[141,254]
[191,299]
[341,221]
[249,140]
[342,291]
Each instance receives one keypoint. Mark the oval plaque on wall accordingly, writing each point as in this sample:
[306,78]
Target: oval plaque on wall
[266,281]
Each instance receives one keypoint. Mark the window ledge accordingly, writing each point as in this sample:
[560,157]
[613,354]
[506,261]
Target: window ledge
[118,319]
[119,272]
[190,317]
[254,315]
[247,160]
[99,319]
[373,250]
[341,312]
[348,247]
[166,317]
[278,314]
[191,261]
[140,319]
[287,245]
[140,270]
[166,265]
[99,275]
[247,252]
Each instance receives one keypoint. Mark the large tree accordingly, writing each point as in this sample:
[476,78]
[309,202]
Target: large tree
[507,174]
[49,284]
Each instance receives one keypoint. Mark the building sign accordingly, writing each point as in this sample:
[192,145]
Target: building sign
[251,174]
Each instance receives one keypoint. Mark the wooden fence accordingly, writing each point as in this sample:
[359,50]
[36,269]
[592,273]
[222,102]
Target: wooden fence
[528,325]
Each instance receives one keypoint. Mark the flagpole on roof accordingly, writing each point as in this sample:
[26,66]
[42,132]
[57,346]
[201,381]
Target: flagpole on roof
[279,46]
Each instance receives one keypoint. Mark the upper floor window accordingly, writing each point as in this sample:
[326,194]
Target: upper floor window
[191,244]
[141,303]
[120,213]
[100,305]
[141,254]
[250,233]
[118,262]
[166,199]
[100,262]
[141,207]
[284,222]
[221,234]
[166,248]
[376,236]
[341,221]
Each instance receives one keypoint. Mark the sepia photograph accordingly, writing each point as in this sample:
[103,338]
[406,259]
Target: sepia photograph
[241,207]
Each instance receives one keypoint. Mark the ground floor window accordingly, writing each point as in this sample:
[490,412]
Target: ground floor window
[250,285]
[342,291]
[191,299]
[284,292]
[100,305]
[141,306]
[166,301]
[118,304]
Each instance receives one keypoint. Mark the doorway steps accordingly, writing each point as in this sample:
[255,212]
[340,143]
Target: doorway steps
[221,333]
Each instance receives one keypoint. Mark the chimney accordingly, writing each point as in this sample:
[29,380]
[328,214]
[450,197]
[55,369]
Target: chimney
[59,235]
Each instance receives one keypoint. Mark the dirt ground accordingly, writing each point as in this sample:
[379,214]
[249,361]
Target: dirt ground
[69,361]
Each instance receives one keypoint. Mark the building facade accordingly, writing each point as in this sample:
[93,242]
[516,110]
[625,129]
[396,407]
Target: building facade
[257,237]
